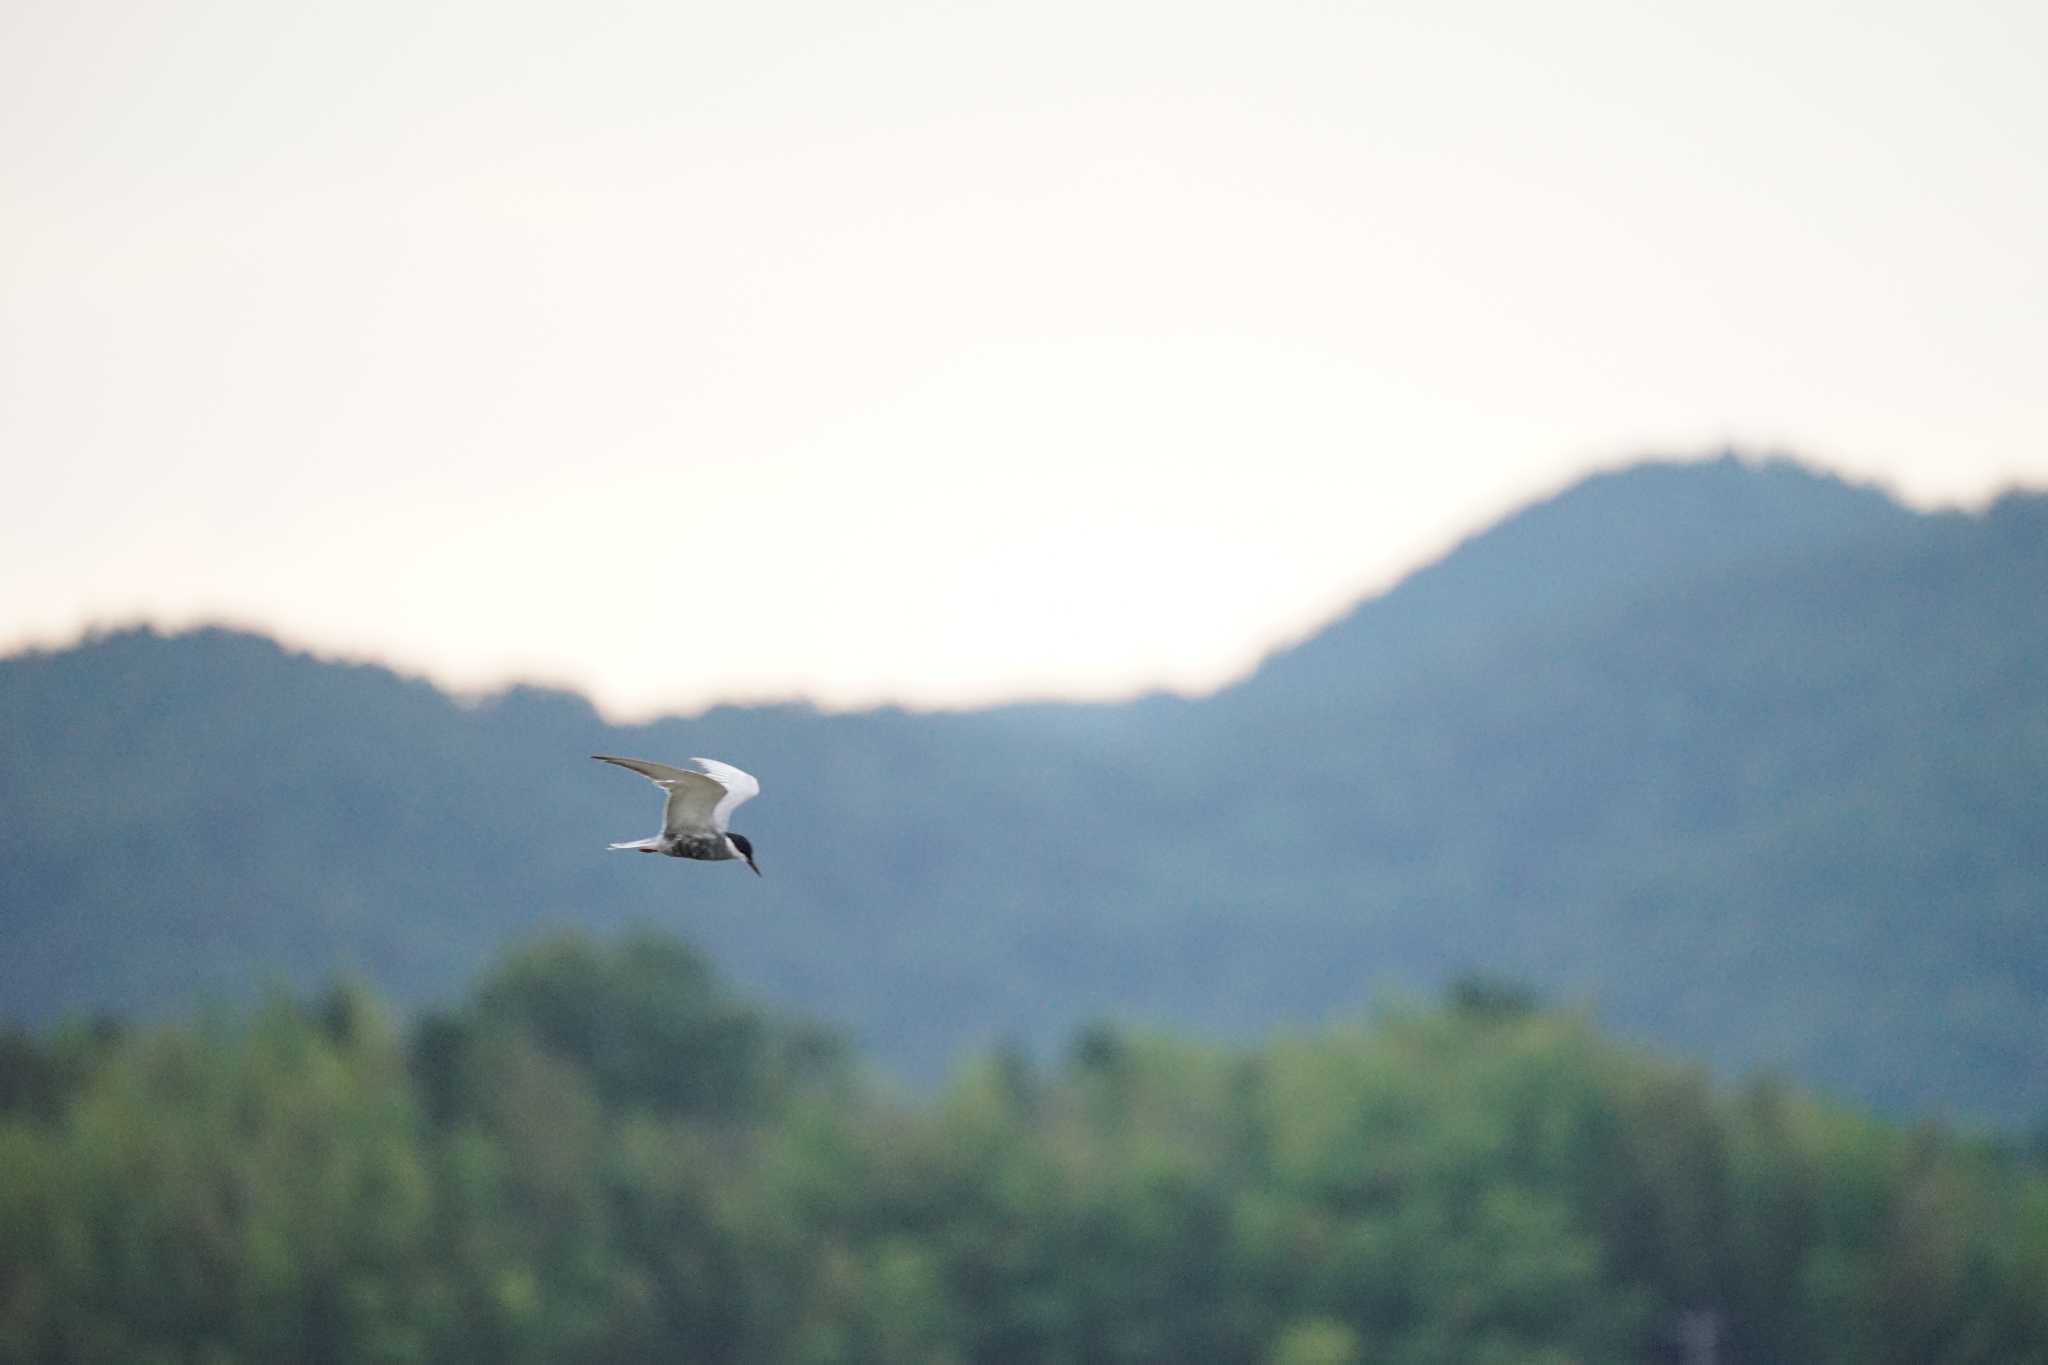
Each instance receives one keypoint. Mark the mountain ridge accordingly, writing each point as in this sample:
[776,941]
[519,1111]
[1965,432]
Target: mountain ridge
[1717,798]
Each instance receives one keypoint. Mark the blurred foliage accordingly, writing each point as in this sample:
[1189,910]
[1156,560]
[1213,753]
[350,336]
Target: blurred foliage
[602,1155]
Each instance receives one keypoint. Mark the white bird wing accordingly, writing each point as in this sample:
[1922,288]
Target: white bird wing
[697,801]
[739,787]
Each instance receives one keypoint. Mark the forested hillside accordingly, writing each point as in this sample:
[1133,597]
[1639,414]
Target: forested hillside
[600,1154]
[1752,763]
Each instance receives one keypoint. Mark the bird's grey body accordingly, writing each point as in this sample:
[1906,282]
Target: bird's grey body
[701,846]
[700,803]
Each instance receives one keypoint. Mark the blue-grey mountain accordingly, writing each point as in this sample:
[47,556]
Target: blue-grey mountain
[1751,761]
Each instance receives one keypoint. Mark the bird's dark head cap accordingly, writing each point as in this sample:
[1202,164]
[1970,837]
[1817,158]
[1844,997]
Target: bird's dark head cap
[746,848]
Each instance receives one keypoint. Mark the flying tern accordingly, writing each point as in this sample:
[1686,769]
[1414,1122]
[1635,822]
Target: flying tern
[699,804]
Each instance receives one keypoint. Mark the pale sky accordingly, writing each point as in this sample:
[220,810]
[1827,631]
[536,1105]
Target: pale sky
[946,353]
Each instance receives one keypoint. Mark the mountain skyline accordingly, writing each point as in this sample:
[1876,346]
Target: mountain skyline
[1744,758]
[1253,652]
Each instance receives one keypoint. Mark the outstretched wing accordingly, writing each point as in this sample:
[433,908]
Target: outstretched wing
[740,788]
[692,797]
[697,801]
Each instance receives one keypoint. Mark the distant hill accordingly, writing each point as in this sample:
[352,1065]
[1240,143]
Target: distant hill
[1752,761]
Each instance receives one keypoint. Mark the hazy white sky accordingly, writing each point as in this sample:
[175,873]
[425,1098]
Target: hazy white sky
[950,352]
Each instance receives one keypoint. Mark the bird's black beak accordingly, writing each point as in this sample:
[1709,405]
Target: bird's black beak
[751,863]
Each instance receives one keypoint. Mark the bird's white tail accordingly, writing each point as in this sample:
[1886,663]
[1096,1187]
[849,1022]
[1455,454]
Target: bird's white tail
[640,845]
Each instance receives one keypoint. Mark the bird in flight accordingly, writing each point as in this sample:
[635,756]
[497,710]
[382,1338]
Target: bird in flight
[699,804]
